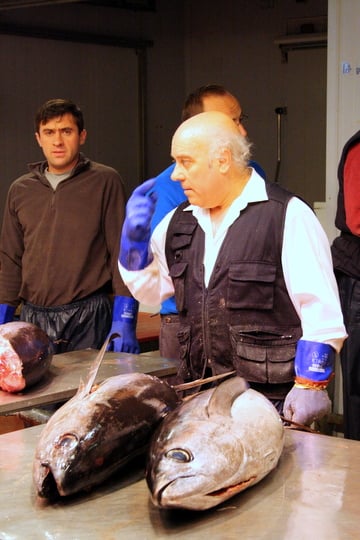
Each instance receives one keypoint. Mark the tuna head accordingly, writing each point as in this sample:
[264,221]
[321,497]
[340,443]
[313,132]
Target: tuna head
[213,446]
[25,355]
[95,434]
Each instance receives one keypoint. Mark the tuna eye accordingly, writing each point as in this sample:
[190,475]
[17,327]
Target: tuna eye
[179,454]
[69,440]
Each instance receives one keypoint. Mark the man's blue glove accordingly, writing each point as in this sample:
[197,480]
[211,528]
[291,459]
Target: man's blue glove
[6,313]
[308,400]
[125,310]
[135,236]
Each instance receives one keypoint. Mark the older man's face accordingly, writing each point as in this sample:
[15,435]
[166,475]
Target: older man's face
[198,174]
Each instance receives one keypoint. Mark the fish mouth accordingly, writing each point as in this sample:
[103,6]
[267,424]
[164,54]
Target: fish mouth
[159,494]
[48,489]
[162,499]
[229,491]
[158,497]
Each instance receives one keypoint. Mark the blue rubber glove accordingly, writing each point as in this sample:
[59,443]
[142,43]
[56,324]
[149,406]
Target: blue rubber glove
[125,310]
[308,400]
[6,313]
[135,236]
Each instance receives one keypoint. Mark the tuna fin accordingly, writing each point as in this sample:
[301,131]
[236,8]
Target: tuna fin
[224,396]
[85,387]
[199,382]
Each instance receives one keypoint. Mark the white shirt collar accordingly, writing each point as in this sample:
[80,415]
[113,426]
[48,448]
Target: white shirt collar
[254,191]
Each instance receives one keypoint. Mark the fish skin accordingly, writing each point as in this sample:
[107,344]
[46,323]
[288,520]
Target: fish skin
[26,354]
[95,434]
[213,446]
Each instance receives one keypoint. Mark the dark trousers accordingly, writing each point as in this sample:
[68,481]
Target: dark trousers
[80,325]
[349,289]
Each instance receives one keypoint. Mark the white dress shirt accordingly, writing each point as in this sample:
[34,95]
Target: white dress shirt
[306,261]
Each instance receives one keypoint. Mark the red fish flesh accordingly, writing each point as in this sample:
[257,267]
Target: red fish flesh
[26,353]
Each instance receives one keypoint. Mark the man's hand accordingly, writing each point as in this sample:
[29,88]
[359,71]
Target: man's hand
[6,313]
[124,319]
[305,406]
[135,236]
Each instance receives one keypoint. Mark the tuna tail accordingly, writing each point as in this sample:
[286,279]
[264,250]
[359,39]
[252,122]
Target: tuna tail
[199,382]
[224,396]
[85,388]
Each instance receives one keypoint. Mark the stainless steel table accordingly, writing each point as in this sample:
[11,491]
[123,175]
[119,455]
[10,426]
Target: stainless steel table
[313,494]
[67,369]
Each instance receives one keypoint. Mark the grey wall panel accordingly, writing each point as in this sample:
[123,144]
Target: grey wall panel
[103,80]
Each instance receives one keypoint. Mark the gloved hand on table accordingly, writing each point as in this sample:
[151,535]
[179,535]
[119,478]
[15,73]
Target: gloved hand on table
[308,400]
[305,406]
[135,235]
[125,310]
[6,313]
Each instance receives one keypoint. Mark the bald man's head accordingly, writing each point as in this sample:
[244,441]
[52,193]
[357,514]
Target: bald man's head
[211,159]
[213,131]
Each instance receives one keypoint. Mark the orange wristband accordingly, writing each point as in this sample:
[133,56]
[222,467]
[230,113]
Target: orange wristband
[301,382]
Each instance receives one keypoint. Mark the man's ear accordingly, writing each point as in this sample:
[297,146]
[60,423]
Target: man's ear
[37,137]
[224,160]
[83,135]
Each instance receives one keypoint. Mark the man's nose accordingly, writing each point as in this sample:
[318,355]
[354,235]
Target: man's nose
[58,139]
[177,175]
[242,129]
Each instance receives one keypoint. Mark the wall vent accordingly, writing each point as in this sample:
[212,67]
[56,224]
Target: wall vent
[306,33]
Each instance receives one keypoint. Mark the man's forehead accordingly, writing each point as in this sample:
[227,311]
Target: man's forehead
[187,142]
[189,133]
[64,119]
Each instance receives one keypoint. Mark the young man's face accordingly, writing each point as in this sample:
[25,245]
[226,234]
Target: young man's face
[60,141]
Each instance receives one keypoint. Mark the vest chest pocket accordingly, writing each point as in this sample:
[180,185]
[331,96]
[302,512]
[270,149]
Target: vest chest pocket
[263,357]
[251,285]
[178,274]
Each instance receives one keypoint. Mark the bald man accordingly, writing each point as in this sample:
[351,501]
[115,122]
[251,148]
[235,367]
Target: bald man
[210,97]
[250,267]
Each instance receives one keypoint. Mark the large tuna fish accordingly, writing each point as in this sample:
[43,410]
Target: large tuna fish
[99,431]
[25,355]
[214,445]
